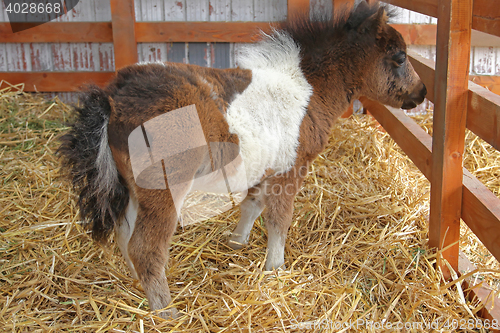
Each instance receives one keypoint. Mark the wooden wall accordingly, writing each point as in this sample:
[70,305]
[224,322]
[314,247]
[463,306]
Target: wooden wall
[24,57]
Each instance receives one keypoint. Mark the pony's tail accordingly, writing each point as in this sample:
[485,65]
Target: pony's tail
[88,163]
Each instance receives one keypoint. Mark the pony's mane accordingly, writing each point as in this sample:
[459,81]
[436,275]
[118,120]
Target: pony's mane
[315,30]
[281,49]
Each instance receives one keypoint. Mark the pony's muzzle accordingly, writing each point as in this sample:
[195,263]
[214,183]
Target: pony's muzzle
[416,97]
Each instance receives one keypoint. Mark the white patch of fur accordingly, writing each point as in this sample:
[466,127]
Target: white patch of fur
[275,250]
[124,230]
[107,174]
[267,115]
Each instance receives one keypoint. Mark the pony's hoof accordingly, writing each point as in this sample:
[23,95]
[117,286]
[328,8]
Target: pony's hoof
[234,244]
[169,314]
[271,267]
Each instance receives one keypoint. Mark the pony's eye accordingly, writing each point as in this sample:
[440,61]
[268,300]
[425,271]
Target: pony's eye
[399,58]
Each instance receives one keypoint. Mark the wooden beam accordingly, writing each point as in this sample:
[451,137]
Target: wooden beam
[298,8]
[486,16]
[231,32]
[417,34]
[425,69]
[485,13]
[123,20]
[483,115]
[491,83]
[56,81]
[427,7]
[414,141]
[481,291]
[59,32]
[450,112]
[481,212]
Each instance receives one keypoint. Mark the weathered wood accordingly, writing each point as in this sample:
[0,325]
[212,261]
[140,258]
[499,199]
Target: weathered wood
[450,112]
[59,32]
[481,291]
[235,32]
[414,141]
[56,81]
[123,19]
[483,114]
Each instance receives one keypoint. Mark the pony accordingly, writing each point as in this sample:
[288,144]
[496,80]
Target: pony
[159,131]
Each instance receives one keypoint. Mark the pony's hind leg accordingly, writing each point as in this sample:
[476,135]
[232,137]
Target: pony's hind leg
[251,207]
[124,230]
[148,248]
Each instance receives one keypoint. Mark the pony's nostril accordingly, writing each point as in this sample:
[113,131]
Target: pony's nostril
[423,92]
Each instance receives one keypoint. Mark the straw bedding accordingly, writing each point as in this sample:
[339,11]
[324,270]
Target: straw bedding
[356,252]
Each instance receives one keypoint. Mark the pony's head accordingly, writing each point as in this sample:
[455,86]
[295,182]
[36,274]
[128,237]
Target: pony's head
[358,52]
[389,76]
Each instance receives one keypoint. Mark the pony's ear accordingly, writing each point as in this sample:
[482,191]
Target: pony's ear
[355,18]
[375,23]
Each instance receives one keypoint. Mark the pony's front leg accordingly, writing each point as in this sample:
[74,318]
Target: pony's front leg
[280,195]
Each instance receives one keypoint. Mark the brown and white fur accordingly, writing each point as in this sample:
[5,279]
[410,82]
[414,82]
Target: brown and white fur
[278,107]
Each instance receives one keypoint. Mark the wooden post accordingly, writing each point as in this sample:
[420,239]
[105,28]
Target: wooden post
[298,8]
[124,42]
[450,113]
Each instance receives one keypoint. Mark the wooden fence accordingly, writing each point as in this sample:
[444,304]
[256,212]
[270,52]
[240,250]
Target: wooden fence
[459,103]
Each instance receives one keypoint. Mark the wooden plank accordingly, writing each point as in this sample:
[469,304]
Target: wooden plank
[479,38]
[59,32]
[486,16]
[234,32]
[492,83]
[298,8]
[450,112]
[481,291]
[417,34]
[56,81]
[486,13]
[101,32]
[481,212]
[123,20]
[483,114]
[414,141]
[425,69]
[427,7]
